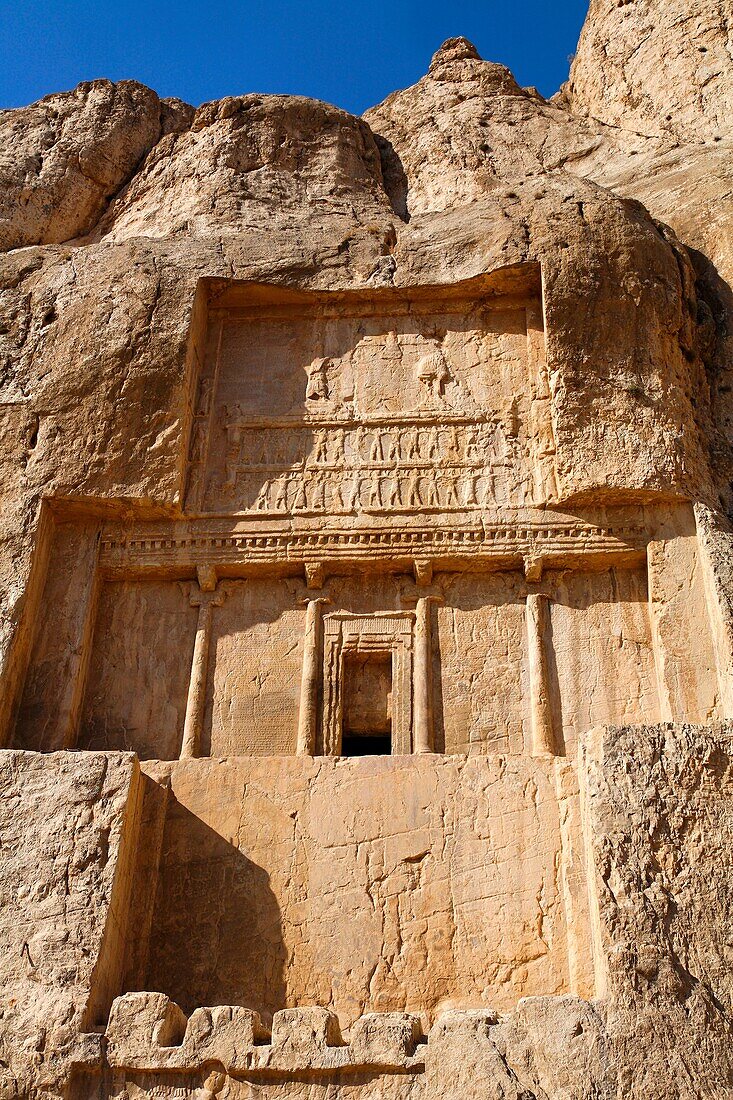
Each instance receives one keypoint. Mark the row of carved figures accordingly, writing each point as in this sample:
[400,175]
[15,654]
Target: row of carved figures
[473,444]
[323,493]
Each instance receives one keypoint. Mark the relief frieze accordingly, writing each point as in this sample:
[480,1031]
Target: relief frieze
[403,464]
[340,414]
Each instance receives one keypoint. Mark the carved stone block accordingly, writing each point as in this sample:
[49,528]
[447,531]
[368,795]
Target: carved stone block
[384,1038]
[304,1032]
[422,406]
[226,1034]
[145,1031]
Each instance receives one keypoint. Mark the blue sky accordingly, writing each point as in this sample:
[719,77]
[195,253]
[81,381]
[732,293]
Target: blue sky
[349,53]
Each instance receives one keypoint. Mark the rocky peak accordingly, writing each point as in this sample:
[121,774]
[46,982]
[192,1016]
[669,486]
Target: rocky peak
[659,67]
[459,62]
[455,49]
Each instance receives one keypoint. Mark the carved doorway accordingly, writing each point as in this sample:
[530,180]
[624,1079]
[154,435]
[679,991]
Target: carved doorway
[366,727]
[367,683]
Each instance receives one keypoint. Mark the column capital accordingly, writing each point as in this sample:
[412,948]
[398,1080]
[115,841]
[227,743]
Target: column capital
[534,565]
[197,598]
[207,578]
[306,601]
[314,574]
[203,595]
[413,599]
[423,570]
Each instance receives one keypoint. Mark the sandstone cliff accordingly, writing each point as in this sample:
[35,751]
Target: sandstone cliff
[115,206]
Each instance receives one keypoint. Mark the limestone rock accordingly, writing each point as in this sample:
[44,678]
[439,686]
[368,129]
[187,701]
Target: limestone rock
[661,815]
[147,1031]
[366,651]
[559,1047]
[656,68]
[461,1053]
[66,156]
[301,1032]
[386,1038]
[141,1026]
[473,139]
[68,833]
[241,158]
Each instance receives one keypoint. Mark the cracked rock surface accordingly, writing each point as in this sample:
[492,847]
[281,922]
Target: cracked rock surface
[114,204]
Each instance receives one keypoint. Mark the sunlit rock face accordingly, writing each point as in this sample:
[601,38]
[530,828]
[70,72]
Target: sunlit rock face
[366,652]
[657,70]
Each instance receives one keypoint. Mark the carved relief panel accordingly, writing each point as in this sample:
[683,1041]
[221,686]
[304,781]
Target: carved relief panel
[133,659]
[338,436]
[365,408]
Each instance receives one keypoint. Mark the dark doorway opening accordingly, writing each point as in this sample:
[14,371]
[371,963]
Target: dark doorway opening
[367,713]
[360,744]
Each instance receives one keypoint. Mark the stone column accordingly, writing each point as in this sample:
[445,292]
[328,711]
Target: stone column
[311,678]
[543,738]
[206,599]
[422,710]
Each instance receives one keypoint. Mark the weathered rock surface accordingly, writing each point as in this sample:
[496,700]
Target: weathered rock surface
[660,69]
[242,159]
[657,811]
[531,919]
[662,853]
[66,156]
[69,835]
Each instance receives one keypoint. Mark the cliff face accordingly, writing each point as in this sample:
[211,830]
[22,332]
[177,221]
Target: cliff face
[129,227]
[662,71]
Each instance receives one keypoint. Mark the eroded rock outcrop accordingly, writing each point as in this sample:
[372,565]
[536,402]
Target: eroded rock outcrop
[67,155]
[658,69]
[405,438]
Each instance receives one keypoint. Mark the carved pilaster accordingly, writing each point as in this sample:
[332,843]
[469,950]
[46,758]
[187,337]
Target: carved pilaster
[422,714]
[310,681]
[206,597]
[543,737]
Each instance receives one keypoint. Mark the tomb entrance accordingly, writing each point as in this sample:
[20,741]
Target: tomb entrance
[372,607]
[366,727]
